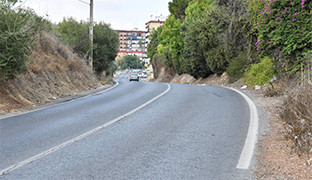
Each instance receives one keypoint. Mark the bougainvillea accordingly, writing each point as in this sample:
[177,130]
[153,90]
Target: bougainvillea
[285,25]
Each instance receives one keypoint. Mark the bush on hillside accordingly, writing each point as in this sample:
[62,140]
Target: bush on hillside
[18,28]
[105,41]
[171,44]
[261,73]
[194,34]
[154,42]
[237,66]
[106,44]
[75,34]
[285,27]
[132,62]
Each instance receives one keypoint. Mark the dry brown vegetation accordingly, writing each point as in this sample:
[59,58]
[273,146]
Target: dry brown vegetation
[297,114]
[284,152]
[53,72]
[275,157]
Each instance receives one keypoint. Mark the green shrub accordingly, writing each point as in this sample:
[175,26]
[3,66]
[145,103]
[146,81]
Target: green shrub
[261,73]
[18,28]
[237,67]
[285,26]
[75,34]
[105,41]
[106,45]
[111,69]
[132,62]
[216,60]
[171,44]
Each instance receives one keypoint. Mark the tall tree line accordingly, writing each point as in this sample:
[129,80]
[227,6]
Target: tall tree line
[203,37]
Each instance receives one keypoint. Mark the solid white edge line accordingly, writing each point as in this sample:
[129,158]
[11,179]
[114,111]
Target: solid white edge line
[38,156]
[252,135]
[58,104]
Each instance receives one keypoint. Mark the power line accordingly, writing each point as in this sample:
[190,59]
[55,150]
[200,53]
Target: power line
[84,2]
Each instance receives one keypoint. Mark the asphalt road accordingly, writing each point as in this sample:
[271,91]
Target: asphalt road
[191,132]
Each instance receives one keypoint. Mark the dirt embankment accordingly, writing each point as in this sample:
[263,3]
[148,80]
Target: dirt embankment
[171,77]
[54,72]
[275,155]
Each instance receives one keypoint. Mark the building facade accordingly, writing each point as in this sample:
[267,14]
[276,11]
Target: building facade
[151,26]
[132,42]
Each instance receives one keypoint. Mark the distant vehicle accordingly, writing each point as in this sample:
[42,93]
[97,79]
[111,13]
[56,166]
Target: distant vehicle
[138,71]
[149,71]
[143,75]
[134,77]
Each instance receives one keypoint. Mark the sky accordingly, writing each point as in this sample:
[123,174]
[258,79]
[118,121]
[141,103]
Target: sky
[121,14]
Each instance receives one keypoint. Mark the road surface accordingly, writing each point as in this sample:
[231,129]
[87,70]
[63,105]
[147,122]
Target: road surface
[188,132]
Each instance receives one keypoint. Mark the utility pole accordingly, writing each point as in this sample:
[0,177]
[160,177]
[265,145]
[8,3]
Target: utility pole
[91,35]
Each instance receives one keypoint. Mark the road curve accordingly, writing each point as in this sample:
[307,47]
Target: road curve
[192,131]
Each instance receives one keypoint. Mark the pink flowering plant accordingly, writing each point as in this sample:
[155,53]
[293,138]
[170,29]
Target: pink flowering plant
[285,25]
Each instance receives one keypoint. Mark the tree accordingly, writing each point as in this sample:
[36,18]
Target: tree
[106,45]
[177,8]
[154,42]
[193,54]
[17,35]
[196,8]
[75,34]
[212,25]
[132,62]
[171,44]
[203,52]
[220,3]
[285,27]
[105,41]
[8,2]
[237,36]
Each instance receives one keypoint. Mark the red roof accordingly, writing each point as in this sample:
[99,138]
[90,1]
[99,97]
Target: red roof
[132,52]
[131,31]
[154,22]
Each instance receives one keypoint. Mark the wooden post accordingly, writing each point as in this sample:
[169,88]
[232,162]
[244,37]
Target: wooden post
[91,35]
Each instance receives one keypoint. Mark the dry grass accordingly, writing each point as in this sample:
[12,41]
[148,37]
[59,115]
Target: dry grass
[275,157]
[273,90]
[285,158]
[297,114]
[53,72]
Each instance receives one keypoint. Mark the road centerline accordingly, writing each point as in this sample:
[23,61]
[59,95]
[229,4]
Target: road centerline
[75,139]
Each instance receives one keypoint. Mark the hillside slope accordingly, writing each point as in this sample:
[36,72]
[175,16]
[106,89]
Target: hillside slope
[53,72]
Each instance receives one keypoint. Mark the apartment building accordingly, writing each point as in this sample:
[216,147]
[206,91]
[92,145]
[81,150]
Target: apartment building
[151,26]
[132,42]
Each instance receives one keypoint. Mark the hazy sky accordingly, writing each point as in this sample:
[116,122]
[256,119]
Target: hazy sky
[121,14]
